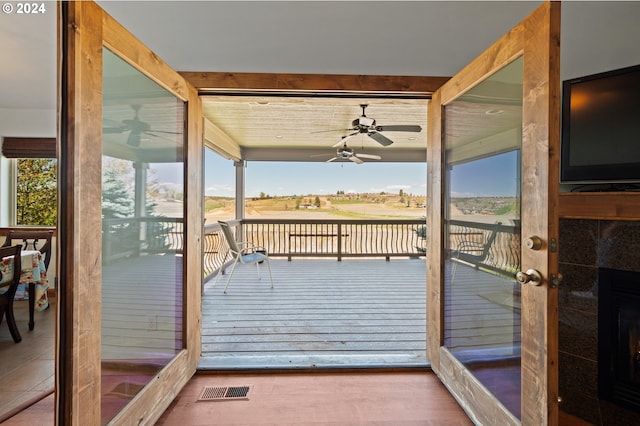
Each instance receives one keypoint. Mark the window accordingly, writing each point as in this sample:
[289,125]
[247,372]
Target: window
[36,179]
[36,191]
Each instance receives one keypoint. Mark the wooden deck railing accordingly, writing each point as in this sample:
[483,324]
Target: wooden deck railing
[337,238]
[471,242]
[320,238]
[135,235]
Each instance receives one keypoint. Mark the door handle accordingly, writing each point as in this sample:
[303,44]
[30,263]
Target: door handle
[533,242]
[531,276]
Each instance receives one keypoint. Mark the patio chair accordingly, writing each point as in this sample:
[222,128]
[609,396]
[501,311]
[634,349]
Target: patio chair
[10,285]
[245,253]
[473,252]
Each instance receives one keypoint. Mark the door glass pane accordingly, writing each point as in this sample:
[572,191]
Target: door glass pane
[142,231]
[482,232]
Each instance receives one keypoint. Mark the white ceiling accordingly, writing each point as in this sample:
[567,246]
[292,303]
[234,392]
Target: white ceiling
[393,38]
[28,59]
[427,38]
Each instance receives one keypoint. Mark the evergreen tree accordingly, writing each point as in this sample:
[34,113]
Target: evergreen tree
[117,196]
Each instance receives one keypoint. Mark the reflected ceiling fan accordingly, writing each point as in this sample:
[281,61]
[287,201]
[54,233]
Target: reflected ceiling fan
[137,128]
[364,124]
[346,153]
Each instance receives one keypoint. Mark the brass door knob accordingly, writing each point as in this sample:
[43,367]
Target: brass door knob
[531,276]
[533,242]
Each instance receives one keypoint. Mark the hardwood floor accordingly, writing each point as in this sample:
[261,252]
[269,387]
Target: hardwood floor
[319,399]
[27,372]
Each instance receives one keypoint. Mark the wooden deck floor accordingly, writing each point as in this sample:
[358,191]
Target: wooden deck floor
[356,313]
[321,313]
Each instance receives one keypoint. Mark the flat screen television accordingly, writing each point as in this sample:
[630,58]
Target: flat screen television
[601,130]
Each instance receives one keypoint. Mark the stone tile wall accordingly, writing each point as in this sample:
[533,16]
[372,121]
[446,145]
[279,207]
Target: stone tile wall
[585,246]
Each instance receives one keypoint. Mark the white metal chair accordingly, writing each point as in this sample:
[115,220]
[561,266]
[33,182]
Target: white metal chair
[245,253]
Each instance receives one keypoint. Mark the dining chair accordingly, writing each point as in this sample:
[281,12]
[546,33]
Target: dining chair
[241,252]
[32,240]
[10,285]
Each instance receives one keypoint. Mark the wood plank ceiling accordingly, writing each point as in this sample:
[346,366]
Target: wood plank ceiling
[308,128]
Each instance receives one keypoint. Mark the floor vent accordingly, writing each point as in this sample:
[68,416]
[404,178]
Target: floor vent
[221,393]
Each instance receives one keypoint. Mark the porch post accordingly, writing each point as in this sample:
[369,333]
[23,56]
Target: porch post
[140,200]
[240,167]
[140,194]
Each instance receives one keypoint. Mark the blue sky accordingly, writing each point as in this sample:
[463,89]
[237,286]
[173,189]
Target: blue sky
[293,178]
[494,176]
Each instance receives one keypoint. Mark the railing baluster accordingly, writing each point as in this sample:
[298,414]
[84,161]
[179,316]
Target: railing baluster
[348,238]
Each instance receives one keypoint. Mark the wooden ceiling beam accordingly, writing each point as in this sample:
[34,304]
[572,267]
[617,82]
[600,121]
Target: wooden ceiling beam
[417,86]
[408,155]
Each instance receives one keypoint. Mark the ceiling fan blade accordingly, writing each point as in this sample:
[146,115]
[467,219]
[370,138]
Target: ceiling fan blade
[356,159]
[332,130]
[369,156]
[153,133]
[380,138]
[331,159]
[399,128]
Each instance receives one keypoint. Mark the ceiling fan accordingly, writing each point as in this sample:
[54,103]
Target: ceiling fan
[346,153]
[364,124]
[136,127]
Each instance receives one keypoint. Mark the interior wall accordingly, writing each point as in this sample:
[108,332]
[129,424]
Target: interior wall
[598,36]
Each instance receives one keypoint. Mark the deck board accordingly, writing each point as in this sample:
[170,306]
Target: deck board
[321,313]
[357,312]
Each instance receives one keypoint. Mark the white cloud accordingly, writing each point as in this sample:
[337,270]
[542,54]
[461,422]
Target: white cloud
[222,189]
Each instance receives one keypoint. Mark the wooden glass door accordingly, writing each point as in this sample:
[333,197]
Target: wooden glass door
[124,113]
[493,166]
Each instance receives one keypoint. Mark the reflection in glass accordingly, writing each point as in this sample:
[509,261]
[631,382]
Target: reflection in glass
[220,188]
[142,231]
[482,228]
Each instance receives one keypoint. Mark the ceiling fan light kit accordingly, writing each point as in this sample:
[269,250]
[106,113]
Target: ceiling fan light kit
[366,125]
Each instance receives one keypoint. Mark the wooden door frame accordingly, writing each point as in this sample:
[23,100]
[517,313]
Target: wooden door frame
[84,30]
[537,39]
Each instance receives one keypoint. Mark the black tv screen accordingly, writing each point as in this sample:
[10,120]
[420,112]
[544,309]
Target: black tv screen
[601,128]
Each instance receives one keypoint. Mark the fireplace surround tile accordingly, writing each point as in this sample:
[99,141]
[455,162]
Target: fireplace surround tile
[585,246]
[582,406]
[579,375]
[579,288]
[577,241]
[618,245]
[578,334]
